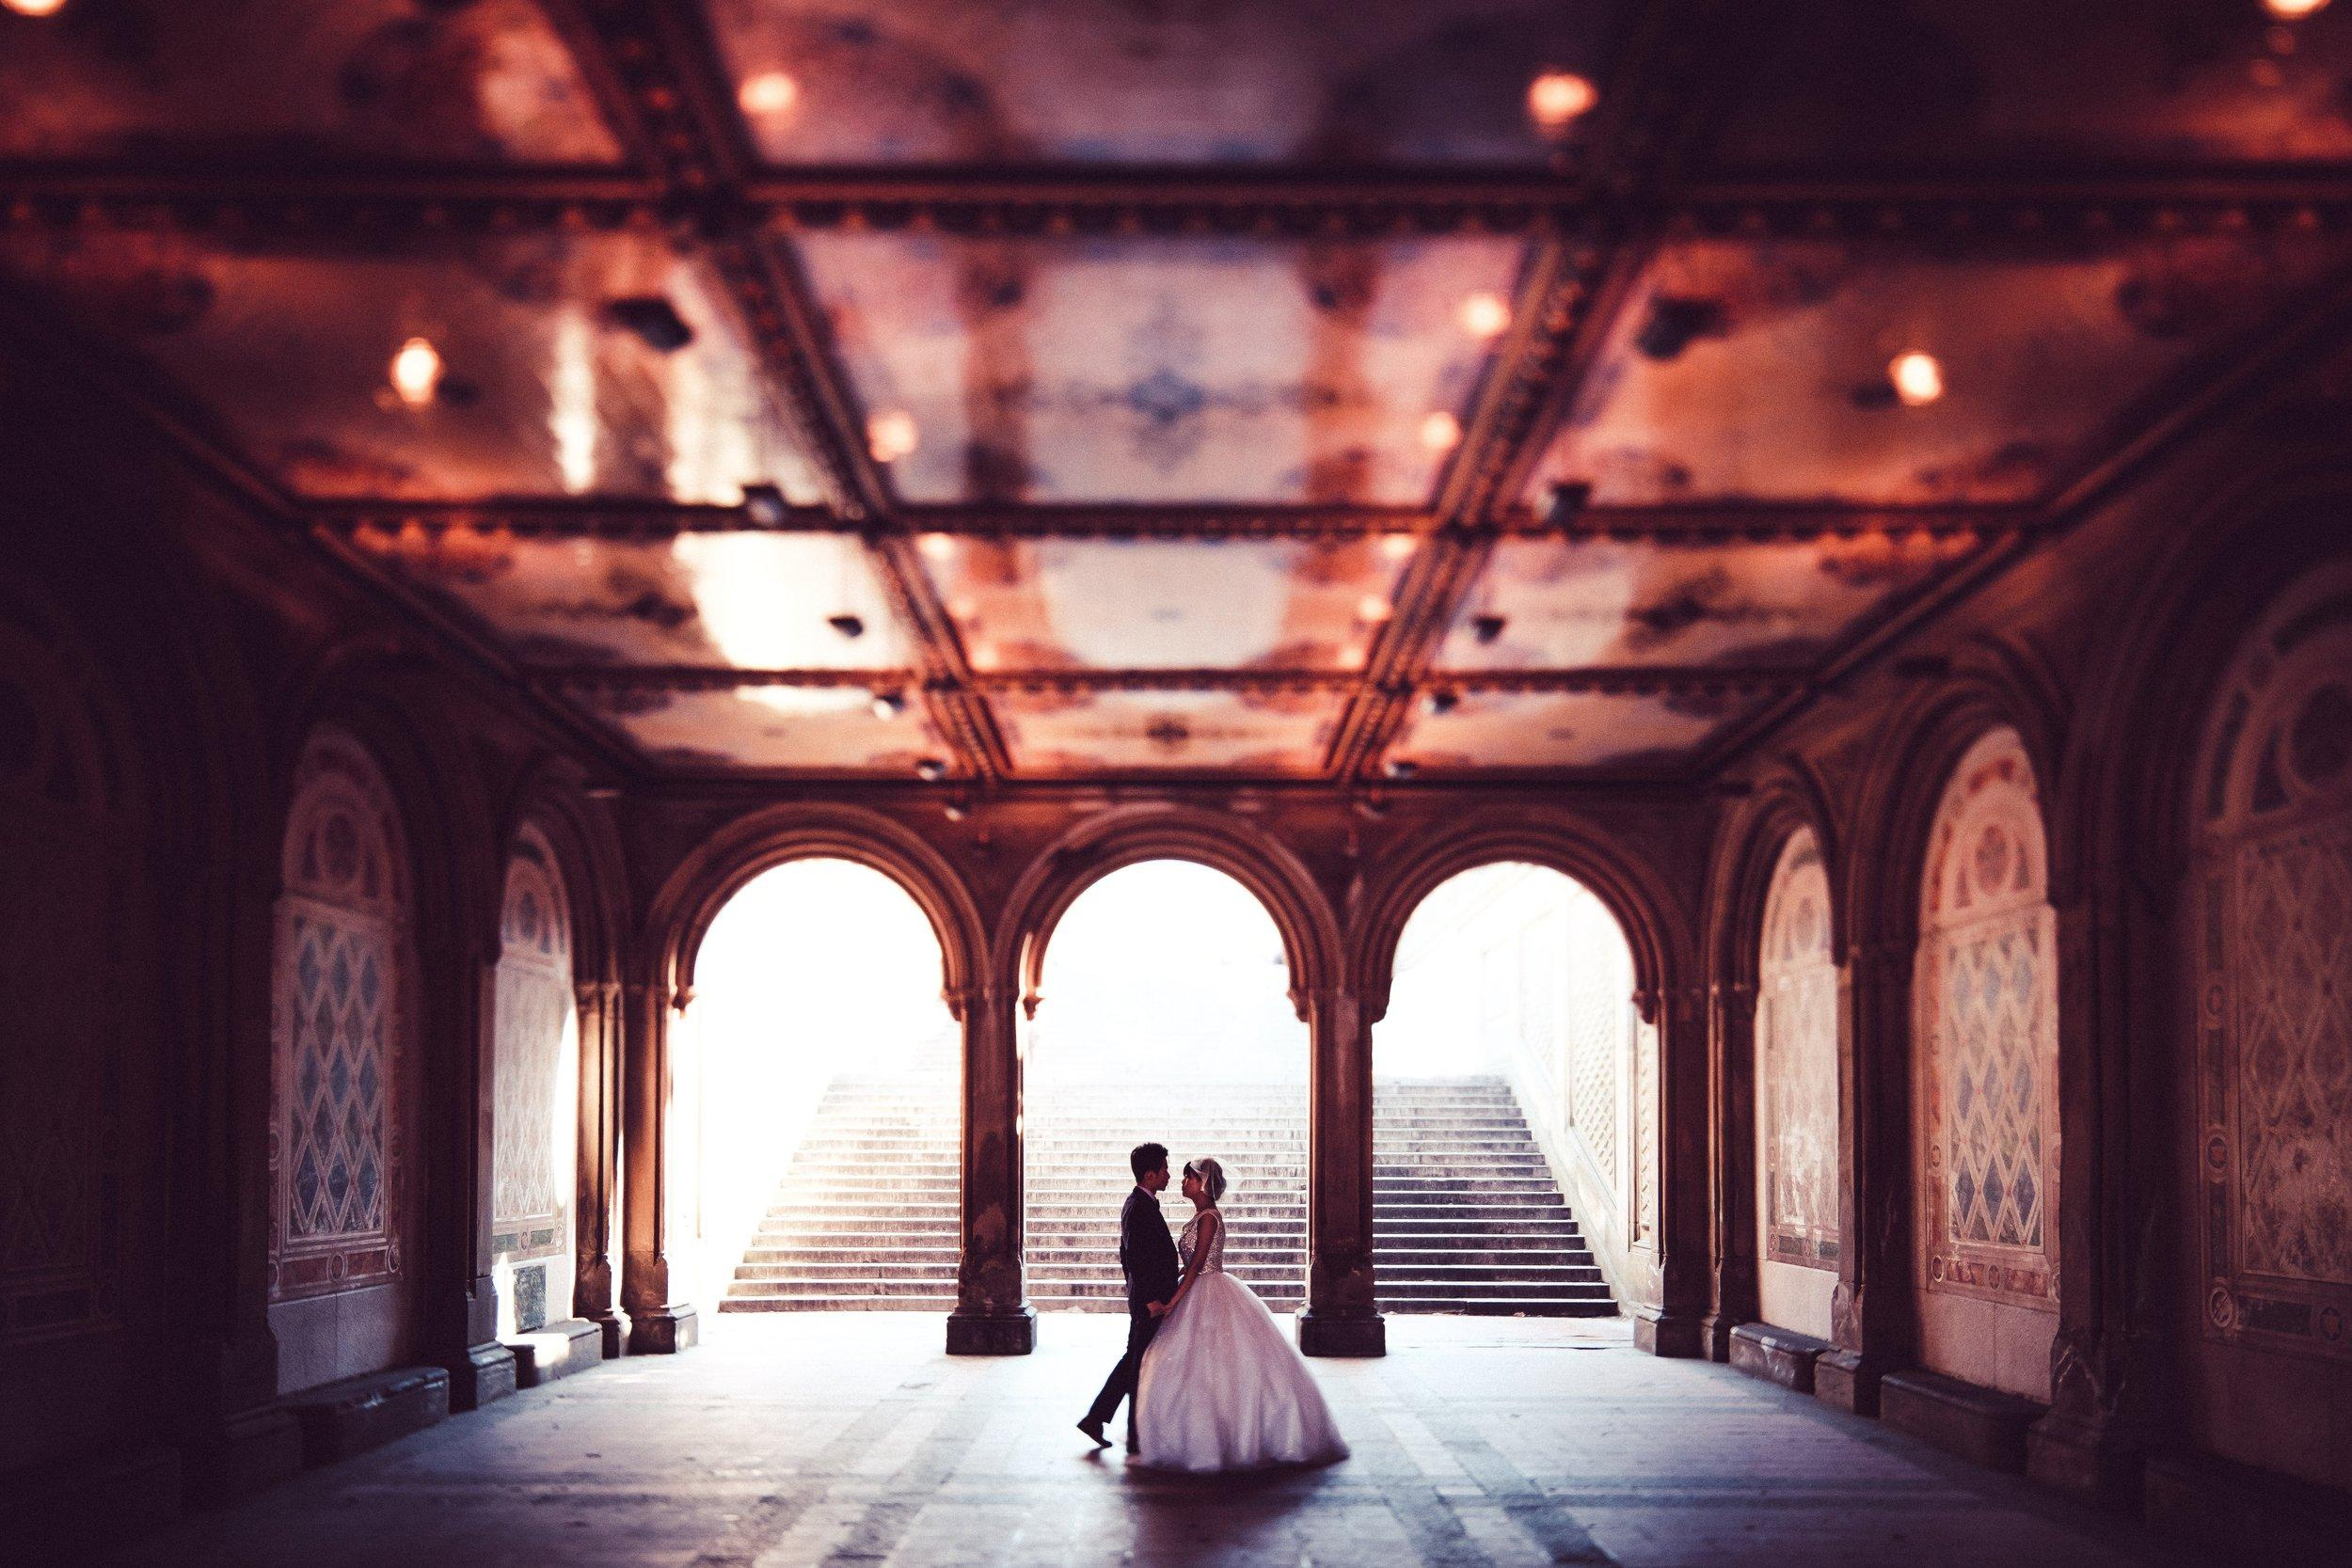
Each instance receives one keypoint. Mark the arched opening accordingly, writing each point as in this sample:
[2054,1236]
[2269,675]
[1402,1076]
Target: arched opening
[1509,1146]
[1797,1225]
[1984,1078]
[814,1112]
[534,1162]
[1163,1015]
[2263,1062]
[344,1197]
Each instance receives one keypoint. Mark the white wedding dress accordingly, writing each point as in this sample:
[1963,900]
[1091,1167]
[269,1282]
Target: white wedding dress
[1221,1389]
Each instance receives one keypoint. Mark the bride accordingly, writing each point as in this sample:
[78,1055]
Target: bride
[1221,1389]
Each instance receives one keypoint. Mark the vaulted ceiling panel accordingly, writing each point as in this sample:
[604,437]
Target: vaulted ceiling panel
[2025,83]
[290,82]
[1163,370]
[1232,81]
[1549,730]
[1573,602]
[1761,369]
[752,601]
[1063,732]
[1101,603]
[603,362]
[769,728]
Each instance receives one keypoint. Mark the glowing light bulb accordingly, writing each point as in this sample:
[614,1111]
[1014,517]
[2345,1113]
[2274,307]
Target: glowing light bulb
[1918,379]
[1440,431]
[1371,607]
[2293,10]
[938,546]
[769,94]
[890,435]
[1396,547]
[1484,315]
[1556,98]
[35,7]
[417,373]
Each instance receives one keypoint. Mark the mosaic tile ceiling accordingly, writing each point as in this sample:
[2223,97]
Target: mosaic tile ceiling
[1005,389]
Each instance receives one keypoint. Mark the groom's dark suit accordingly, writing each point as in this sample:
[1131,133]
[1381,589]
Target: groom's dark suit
[1146,1257]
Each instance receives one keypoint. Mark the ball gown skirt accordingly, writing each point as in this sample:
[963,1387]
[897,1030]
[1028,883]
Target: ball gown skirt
[1223,1389]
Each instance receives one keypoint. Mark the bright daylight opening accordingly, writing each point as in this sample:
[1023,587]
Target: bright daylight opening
[1165,1016]
[816,1100]
[1505,1076]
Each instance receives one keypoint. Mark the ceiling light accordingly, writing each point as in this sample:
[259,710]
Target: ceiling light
[417,373]
[848,625]
[35,7]
[1396,547]
[2293,10]
[1403,767]
[889,705]
[1487,629]
[1371,607]
[1558,97]
[931,770]
[1484,315]
[939,547]
[1440,431]
[1918,379]
[890,435]
[769,94]
[765,505]
[1441,703]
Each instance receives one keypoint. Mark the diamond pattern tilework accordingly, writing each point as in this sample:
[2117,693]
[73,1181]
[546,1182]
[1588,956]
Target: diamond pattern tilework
[338,1115]
[534,1005]
[1796,1044]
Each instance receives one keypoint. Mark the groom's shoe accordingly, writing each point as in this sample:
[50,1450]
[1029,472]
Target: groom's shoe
[1093,1429]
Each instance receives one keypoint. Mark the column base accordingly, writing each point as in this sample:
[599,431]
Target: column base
[663,1330]
[249,1451]
[2094,1459]
[483,1375]
[1849,1379]
[992,1333]
[1321,1334]
[1715,1332]
[612,1332]
[1667,1334]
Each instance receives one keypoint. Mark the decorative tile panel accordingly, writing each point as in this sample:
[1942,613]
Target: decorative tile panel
[2272,946]
[338,1020]
[534,1008]
[1986,1036]
[1796,1069]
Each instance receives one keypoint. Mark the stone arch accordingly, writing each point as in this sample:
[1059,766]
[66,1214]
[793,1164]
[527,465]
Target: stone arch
[1644,909]
[578,835]
[1117,839]
[534,1078]
[700,887]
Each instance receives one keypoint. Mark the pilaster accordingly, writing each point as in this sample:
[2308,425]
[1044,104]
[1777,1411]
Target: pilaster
[1343,1315]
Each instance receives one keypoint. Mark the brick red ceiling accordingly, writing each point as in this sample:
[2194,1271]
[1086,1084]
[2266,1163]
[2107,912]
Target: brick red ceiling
[1067,389]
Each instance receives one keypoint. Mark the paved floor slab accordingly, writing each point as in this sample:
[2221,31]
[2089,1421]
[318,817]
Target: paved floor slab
[849,1438]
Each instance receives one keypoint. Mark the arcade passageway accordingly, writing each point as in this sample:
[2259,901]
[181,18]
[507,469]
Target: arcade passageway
[618,617]
[847,1439]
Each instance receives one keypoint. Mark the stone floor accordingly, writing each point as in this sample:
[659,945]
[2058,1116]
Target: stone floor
[849,1438]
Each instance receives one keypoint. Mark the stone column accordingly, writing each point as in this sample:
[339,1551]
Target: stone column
[1871,1312]
[597,1181]
[2107,1352]
[993,1315]
[1343,1317]
[1733,1295]
[1684,1255]
[658,1324]
[462,1312]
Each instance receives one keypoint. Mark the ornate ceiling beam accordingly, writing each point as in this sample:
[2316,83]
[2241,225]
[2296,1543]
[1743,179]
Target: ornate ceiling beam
[677,103]
[1642,680]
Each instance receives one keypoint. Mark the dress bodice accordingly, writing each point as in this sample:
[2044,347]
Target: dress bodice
[1215,1262]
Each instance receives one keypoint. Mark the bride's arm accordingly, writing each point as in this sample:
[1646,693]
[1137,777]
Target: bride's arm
[1210,1223]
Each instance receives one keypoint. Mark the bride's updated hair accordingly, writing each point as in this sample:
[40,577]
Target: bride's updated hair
[1211,1176]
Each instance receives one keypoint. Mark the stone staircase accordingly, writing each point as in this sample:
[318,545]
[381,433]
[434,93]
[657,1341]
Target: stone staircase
[1466,1217]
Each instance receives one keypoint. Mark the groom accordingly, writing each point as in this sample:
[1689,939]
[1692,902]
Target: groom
[1148,1257]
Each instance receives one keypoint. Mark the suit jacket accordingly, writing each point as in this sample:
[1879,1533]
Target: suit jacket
[1146,1254]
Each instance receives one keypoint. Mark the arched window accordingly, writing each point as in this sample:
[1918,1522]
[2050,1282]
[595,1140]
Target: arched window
[1986,1168]
[2272,898]
[1796,1092]
[534,1087]
[337,1148]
